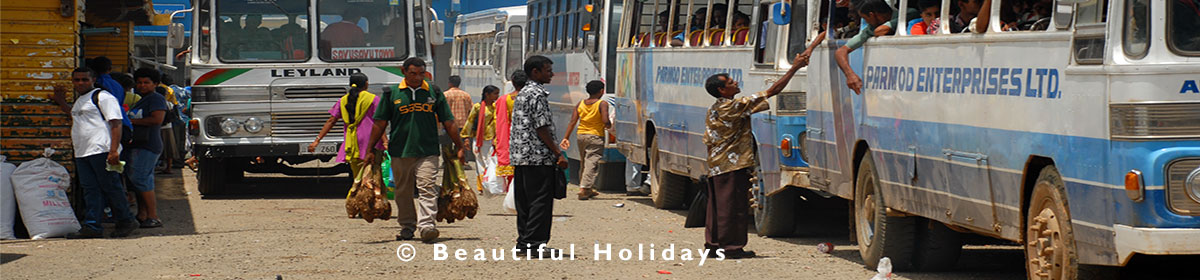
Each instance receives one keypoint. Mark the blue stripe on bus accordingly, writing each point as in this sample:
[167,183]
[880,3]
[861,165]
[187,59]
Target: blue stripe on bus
[1096,160]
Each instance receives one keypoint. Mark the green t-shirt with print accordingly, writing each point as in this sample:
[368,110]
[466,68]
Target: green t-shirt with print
[414,114]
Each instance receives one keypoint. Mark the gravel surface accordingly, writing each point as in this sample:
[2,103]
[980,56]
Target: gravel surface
[296,228]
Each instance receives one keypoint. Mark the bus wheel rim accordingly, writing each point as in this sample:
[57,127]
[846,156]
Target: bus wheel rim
[1045,247]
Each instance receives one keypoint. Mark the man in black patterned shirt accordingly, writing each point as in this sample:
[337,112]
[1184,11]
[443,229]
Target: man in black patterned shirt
[534,154]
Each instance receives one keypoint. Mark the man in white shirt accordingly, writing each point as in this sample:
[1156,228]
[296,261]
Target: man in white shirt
[96,137]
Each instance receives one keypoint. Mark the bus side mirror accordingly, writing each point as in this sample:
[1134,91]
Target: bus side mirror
[437,32]
[781,13]
[175,36]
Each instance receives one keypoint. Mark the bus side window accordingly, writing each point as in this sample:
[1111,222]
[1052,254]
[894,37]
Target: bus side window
[764,50]
[1136,35]
[797,29]
[514,57]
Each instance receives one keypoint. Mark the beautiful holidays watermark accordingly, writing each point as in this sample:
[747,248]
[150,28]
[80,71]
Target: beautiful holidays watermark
[600,252]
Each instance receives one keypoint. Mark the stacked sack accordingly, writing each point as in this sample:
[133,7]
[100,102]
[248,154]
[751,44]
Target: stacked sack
[40,186]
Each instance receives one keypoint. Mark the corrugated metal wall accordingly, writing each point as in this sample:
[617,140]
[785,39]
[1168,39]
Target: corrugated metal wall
[114,46]
[37,53]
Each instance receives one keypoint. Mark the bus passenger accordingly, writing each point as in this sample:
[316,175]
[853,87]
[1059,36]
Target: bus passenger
[967,10]
[930,9]
[480,126]
[880,18]
[355,109]
[697,24]
[345,33]
[1008,18]
[731,160]
[592,116]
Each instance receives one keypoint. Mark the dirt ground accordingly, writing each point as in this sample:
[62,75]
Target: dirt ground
[296,228]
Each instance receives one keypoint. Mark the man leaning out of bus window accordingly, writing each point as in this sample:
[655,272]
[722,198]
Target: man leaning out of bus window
[731,160]
[881,21]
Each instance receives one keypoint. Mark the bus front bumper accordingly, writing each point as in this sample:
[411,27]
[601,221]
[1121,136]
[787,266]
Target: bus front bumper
[1155,241]
[255,150]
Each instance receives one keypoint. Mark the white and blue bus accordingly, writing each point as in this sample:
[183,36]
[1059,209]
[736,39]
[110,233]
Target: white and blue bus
[266,73]
[488,47]
[579,37]
[661,101]
[1077,136]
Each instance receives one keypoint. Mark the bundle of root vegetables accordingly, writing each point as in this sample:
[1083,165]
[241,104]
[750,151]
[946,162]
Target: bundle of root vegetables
[457,201]
[369,199]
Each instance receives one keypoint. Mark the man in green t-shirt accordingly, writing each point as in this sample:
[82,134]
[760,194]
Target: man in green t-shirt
[414,109]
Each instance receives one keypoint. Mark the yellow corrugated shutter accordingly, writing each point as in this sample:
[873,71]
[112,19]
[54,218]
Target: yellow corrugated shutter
[37,53]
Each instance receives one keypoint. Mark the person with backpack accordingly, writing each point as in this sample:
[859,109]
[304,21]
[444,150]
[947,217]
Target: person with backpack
[96,133]
[147,116]
[356,110]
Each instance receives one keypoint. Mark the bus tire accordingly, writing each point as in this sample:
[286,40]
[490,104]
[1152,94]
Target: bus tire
[938,247]
[878,234]
[211,176]
[1050,251]
[668,191]
[775,215]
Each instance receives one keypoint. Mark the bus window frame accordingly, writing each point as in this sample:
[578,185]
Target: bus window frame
[308,7]
[1167,36]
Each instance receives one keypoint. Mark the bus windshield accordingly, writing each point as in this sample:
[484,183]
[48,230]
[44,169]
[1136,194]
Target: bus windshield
[363,30]
[262,30]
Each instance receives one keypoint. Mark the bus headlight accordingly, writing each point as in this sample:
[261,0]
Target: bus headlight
[1192,185]
[252,125]
[229,126]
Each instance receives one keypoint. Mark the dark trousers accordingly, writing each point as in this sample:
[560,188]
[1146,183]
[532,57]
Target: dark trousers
[101,188]
[728,211]
[534,195]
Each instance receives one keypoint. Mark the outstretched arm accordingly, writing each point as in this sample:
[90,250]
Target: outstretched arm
[324,130]
[843,61]
[799,61]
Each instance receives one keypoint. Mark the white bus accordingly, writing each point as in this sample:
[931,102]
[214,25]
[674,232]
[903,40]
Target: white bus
[1076,135]
[662,103]
[578,37]
[488,47]
[267,73]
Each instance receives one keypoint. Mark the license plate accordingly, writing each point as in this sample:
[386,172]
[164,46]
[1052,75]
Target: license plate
[322,149]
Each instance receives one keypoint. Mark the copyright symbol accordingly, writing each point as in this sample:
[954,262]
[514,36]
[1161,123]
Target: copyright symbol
[406,252]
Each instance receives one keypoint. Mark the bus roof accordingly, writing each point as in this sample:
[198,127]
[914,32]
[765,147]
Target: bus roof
[487,19]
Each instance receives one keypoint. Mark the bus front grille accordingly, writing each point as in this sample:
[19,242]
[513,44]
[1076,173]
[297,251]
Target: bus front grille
[303,124]
[321,92]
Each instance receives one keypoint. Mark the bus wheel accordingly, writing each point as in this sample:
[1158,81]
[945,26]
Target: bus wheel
[1049,240]
[878,234]
[775,215]
[211,176]
[668,191]
[938,246]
